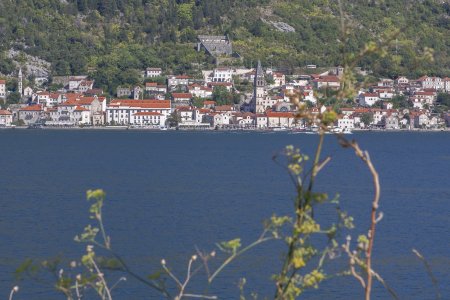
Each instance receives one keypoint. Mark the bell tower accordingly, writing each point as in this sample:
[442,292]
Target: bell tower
[259,90]
[20,82]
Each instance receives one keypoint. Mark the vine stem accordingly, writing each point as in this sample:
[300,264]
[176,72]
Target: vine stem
[365,157]
[100,275]
[234,255]
[315,169]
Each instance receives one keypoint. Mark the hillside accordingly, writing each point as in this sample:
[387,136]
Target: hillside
[117,38]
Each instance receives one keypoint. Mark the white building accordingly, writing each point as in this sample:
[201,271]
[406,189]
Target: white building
[386,82]
[120,112]
[173,81]
[386,94]
[328,81]
[402,80]
[181,99]
[279,79]
[186,114]
[447,84]
[425,97]
[431,83]
[42,97]
[30,114]
[261,121]
[85,86]
[368,99]
[222,75]
[200,91]
[5,118]
[75,81]
[421,120]
[155,87]
[391,122]
[153,72]
[346,122]
[148,118]
[280,119]
[221,119]
[77,110]
[28,91]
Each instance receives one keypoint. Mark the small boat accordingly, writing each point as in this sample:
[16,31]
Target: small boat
[280,129]
[347,131]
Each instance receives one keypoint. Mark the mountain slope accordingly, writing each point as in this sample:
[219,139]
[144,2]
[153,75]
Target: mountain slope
[117,37]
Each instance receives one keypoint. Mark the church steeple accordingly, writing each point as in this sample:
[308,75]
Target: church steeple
[259,91]
[20,82]
[259,76]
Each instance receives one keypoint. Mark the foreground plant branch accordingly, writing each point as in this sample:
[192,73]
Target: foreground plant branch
[365,157]
[430,273]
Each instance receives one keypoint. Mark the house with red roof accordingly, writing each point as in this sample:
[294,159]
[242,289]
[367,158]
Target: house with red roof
[431,83]
[181,99]
[209,104]
[121,111]
[280,119]
[327,81]
[179,80]
[78,110]
[200,91]
[31,114]
[6,118]
[227,85]
[279,79]
[155,87]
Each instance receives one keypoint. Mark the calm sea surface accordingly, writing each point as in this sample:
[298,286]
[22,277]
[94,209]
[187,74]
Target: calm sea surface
[170,192]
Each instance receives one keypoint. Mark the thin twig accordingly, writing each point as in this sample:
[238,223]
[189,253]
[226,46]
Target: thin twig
[430,273]
[365,157]
[234,255]
[102,278]
[13,290]
[200,296]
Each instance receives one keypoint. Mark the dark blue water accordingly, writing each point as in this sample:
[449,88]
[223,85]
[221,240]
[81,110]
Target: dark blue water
[169,192]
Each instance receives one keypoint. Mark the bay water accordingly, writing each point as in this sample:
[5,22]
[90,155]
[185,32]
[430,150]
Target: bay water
[169,193]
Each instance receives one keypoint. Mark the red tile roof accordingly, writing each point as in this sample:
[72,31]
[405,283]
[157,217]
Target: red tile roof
[5,112]
[224,108]
[369,95]
[32,108]
[79,108]
[182,95]
[273,114]
[141,103]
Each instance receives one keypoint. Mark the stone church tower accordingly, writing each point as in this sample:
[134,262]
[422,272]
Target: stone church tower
[259,90]
[20,82]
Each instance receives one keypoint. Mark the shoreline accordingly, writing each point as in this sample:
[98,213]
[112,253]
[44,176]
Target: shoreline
[122,128]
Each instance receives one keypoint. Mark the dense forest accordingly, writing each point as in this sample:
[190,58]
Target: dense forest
[115,39]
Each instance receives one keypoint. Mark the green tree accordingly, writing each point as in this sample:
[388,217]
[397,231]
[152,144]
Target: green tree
[13,98]
[400,101]
[222,96]
[367,118]
[443,99]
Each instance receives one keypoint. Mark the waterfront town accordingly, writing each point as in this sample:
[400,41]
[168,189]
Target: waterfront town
[226,98]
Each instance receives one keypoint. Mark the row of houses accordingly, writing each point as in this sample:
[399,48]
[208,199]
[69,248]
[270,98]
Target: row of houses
[353,118]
